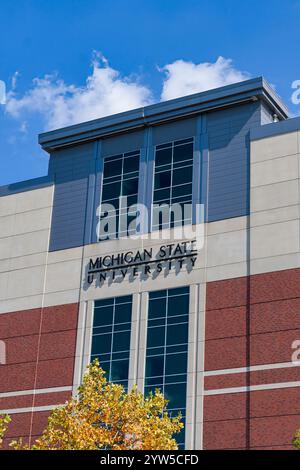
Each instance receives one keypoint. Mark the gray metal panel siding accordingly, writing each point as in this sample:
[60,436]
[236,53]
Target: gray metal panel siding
[70,169]
[182,129]
[228,172]
[266,114]
[123,143]
[221,163]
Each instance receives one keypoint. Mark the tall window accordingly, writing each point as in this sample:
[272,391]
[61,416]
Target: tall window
[120,190]
[111,337]
[173,177]
[167,348]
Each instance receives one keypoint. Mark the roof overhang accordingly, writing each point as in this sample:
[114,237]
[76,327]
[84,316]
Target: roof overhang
[187,106]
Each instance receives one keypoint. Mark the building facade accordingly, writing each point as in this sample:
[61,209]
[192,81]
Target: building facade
[214,323]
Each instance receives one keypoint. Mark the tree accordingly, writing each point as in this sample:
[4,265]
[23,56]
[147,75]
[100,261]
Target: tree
[4,422]
[296,440]
[104,416]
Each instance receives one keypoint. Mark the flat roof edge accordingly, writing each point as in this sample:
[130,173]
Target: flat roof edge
[275,128]
[27,185]
[163,112]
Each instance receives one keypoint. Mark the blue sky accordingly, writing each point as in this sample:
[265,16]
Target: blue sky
[149,50]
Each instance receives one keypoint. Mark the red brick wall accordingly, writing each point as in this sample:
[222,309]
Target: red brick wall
[40,353]
[249,322]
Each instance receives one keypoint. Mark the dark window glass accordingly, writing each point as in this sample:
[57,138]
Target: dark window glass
[176,394]
[175,378]
[111,191]
[162,180]
[119,370]
[101,344]
[178,305]
[173,178]
[130,186]
[121,341]
[163,157]
[113,169]
[113,348]
[123,313]
[120,178]
[183,152]
[177,319]
[158,294]
[104,302]
[177,334]
[103,316]
[122,326]
[183,190]
[155,366]
[131,164]
[176,364]
[156,337]
[183,175]
[125,299]
[157,308]
[106,367]
[167,347]
[162,196]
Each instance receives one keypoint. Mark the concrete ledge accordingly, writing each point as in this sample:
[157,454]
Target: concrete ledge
[275,128]
[28,185]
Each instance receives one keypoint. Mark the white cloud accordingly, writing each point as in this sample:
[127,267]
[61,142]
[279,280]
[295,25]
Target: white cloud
[184,78]
[107,92]
[14,79]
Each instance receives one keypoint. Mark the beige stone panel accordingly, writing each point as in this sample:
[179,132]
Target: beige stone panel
[147,241]
[63,276]
[125,287]
[3,284]
[274,239]
[65,255]
[8,205]
[5,247]
[36,199]
[272,147]
[274,171]
[61,298]
[28,243]
[32,221]
[25,282]
[226,248]
[21,303]
[275,263]
[28,261]
[273,216]
[7,225]
[4,265]
[274,196]
[226,271]
[25,222]
[227,225]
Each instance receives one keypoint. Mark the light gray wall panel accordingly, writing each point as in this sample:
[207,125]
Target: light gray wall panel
[182,129]
[128,142]
[228,147]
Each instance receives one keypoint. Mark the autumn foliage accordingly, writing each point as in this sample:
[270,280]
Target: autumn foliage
[104,416]
[296,440]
